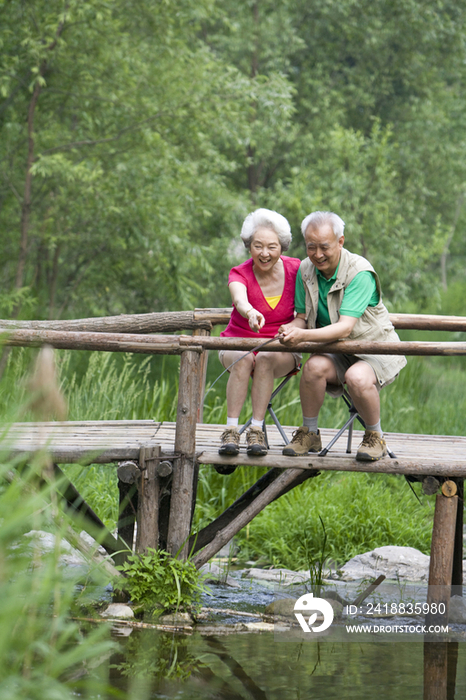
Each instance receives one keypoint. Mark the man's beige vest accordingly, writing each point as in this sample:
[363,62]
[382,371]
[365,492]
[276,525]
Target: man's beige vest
[375,322]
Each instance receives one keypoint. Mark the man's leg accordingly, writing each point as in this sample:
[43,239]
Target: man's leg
[317,373]
[362,387]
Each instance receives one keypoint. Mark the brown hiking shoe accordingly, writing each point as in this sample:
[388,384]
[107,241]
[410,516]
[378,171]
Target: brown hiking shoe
[372,447]
[230,441]
[255,439]
[304,441]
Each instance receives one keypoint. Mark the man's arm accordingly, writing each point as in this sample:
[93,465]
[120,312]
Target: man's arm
[296,332]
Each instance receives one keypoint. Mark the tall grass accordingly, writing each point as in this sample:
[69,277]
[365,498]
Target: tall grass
[359,511]
[43,653]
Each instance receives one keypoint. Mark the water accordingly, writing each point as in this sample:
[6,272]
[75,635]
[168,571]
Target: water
[152,664]
[157,665]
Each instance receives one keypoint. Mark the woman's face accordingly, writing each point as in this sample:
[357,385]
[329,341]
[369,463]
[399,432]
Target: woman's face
[265,249]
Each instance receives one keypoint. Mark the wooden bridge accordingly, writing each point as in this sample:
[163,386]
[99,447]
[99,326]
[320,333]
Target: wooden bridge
[159,480]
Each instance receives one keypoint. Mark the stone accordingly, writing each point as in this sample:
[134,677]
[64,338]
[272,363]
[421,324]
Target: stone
[118,611]
[174,619]
[337,607]
[283,607]
[44,542]
[230,549]
[86,537]
[279,576]
[218,574]
[457,612]
[394,562]
[259,627]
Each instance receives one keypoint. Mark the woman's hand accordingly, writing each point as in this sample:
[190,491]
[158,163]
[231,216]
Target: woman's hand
[256,319]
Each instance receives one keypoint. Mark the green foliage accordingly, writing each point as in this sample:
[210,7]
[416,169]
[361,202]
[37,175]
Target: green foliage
[360,511]
[42,651]
[129,166]
[160,582]
[156,656]
[316,565]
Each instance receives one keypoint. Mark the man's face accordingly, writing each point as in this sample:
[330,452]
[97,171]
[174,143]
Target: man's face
[323,249]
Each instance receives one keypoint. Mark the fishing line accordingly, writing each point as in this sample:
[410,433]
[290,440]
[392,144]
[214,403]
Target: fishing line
[258,347]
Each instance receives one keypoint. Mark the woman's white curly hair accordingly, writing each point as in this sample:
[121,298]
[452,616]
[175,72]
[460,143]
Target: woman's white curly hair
[268,219]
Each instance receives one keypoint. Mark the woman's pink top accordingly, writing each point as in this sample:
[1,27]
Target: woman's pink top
[238,326]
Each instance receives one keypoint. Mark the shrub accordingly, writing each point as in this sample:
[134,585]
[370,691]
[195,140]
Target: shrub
[160,582]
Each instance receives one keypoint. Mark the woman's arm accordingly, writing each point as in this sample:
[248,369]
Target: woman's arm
[239,296]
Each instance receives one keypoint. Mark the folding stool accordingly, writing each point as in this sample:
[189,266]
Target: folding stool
[270,410]
[353,414]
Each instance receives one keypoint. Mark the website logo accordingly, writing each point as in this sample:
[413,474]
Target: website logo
[312,606]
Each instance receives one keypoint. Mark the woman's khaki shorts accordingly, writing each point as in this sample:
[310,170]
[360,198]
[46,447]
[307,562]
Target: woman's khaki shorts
[297,357]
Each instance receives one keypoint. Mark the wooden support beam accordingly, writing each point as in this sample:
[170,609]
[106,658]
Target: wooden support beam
[127,513]
[175,345]
[457,574]
[223,536]
[184,473]
[400,465]
[207,534]
[103,342]
[351,347]
[148,500]
[89,520]
[164,322]
[172,321]
[441,558]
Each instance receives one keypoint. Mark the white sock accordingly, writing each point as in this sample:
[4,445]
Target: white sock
[232,421]
[257,423]
[311,423]
[376,428]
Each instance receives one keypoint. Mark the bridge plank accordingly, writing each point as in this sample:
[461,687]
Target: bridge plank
[110,441]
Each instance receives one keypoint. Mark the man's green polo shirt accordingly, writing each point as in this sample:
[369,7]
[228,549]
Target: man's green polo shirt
[359,294]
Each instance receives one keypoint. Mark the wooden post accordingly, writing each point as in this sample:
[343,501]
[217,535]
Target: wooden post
[202,375]
[148,500]
[441,557]
[457,575]
[435,670]
[183,487]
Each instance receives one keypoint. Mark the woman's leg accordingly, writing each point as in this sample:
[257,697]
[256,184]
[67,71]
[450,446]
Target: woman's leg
[237,386]
[269,366]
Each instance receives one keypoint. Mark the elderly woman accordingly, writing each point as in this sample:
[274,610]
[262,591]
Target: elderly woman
[262,290]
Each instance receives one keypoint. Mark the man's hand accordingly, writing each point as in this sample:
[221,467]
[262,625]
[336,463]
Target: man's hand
[291,335]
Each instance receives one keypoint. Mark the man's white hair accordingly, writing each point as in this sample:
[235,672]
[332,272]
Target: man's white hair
[268,219]
[321,218]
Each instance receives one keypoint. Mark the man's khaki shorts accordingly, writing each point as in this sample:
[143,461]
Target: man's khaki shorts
[343,363]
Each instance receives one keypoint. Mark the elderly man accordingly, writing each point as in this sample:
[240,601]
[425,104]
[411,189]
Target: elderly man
[338,296]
